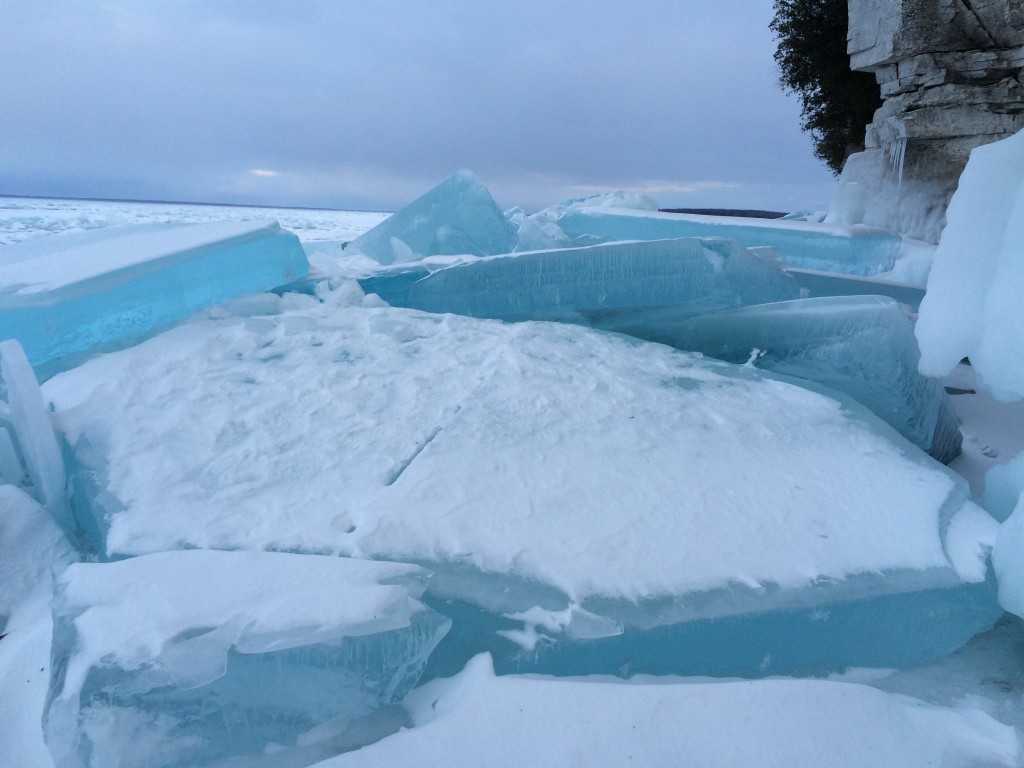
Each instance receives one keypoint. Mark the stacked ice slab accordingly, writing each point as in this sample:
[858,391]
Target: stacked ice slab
[855,250]
[64,295]
[594,284]
[458,216]
[187,658]
[587,502]
[861,345]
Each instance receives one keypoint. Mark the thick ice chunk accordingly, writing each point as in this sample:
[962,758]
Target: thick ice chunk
[1004,484]
[33,429]
[595,284]
[855,250]
[863,346]
[184,658]
[458,216]
[64,295]
[973,306]
[651,504]
[517,721]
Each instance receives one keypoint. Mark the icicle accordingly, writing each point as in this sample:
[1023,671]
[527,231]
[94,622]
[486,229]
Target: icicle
[897,154]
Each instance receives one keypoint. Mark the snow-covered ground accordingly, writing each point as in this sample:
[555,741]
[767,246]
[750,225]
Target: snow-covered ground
[963,710]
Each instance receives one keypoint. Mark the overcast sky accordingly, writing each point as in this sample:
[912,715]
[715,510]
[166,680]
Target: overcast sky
[346,104]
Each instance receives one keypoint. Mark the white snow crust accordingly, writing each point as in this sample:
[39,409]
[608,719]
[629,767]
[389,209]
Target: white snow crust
[479,719]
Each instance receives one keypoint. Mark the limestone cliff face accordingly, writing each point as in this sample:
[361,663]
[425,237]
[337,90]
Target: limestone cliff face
[950,73]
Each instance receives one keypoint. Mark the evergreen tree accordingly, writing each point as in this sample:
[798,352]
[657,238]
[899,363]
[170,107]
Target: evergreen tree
[837,103]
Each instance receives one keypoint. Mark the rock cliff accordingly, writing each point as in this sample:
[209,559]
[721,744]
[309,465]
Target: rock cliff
[950,73]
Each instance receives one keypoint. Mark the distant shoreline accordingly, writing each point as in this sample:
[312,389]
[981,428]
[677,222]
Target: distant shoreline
[747,214]
[187,202]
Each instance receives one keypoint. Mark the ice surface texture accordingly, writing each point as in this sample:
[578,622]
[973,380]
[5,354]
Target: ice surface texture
[600,723]
[64,295]
[482,449]
[458,216]
[593,285]
[855,250]
[973,306]
[183,658]
[863,346]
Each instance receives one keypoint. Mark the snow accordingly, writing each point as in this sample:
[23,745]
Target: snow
[973,306]
[477,441]
[478,718]
[391,399]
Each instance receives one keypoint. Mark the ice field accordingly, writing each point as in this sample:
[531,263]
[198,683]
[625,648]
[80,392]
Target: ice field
[594,485]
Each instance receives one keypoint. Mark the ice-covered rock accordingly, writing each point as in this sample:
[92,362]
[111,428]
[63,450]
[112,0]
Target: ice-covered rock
[856,250]
[607,504]
[186,658]
[861,345]
[591,285]
[458,216]
[973,306]
[33,429]
[515,721]
[61,296]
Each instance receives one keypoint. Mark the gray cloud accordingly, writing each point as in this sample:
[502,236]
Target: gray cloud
[366,104]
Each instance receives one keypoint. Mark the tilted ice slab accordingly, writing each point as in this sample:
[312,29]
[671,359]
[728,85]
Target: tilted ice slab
[855,250]
[863,346]
[64,295]
[458,216]
[592,285]
[184,658]
[40,455]
[515,721]
[973,306]
[622,505]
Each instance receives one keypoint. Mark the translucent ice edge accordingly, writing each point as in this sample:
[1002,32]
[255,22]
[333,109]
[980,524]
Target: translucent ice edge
[855,250]
[578,285]
[863,346]
[232,650]
[874,620]
[153,286]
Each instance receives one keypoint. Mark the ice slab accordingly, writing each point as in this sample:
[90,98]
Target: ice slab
[591,285]
[61,296]
[30,421]
[583,471]
[862,345]
[186,658]
[514,721]
[1004,484]
[818,284]
[458,216]
[855,250]
[973,307]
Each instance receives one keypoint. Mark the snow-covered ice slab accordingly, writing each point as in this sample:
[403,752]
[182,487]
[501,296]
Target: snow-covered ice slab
[515,721]
[862,345]
[973,306]
[855,250]
[603,501]
[591,285]
[458,216]
[64,295]
[185,658]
